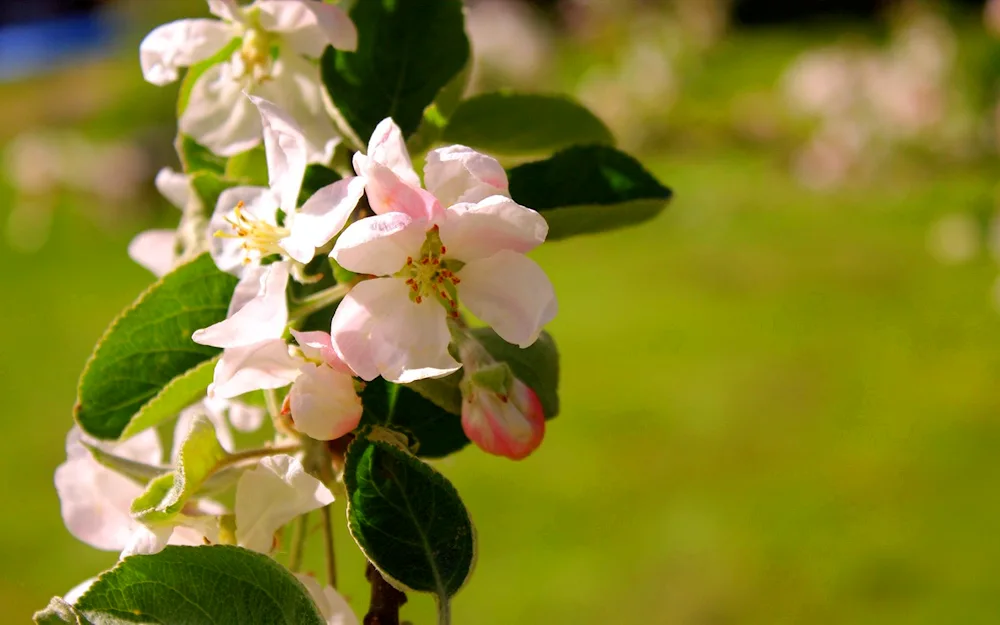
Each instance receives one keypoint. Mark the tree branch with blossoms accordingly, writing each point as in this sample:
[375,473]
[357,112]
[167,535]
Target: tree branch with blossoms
[349,326]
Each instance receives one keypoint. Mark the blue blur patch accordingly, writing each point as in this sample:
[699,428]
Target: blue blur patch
[35,47]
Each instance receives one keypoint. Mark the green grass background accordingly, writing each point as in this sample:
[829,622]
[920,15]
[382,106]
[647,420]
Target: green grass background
[777,407]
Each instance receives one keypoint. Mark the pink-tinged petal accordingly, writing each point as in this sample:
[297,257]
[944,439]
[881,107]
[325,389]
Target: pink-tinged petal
[174,186]
[388,148]
[263,365]
[154,250]
[318,347]
[409,341]
[324,403]
[226,249]
[147,540]
[511,293]
[270,495]
[261,318]
[218,115]
[285,145]
[379,245]
[333,607]
[352,325]
[511,426]
[180,44]
[247,289]
[322,217]
[228,10]
[388,193]
[309,27]
[460,174]
[472,231]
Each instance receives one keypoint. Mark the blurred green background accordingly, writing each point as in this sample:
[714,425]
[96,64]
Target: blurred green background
[780,398]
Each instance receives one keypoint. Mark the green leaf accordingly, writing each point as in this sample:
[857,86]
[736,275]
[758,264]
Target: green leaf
[208,186]
[407,518]
[517,123]
[248,168]
[166,495]
[196,157]
[588,189]
[536,365]
[209,584]
[407,51]
[150,345]
[438,430]
[177,395]
[58,612]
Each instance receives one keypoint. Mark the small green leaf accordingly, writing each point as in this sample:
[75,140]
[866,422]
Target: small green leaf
[177,395]
[196,157]
[209,584]
[150,345]
[407,518]
[208,186]
[248,168]
[517,123]
[407,51]
[588,189]
[58,612]
[165,496]
[438,430]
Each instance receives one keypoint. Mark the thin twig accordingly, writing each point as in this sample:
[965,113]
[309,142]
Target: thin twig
[263,452]
[331,556]
[385,602]
[299,534]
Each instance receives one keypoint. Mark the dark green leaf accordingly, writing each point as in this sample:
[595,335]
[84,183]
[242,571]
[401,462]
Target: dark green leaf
[196,157]
[210,584]
[438,431]
[588,189]
[407,51]
[150,345]
[407,518]
[515,123]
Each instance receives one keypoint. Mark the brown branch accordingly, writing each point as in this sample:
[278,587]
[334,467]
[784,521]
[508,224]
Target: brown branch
[385,602]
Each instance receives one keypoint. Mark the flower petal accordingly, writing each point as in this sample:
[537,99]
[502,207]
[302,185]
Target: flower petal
[228,10]
[377,329]
[225,247]
[270,495]
[309,27]
[379,245]
[180,44]
[296,87]
[154,250]
[512,426]
[261,318]
[388,148]
[263,365]
[387,193]
[218,115]
[472,231]
[324,403]
[285,145]
[460,174]
[511,293]
[334,608]
[174,186]
[243,417]
[322,217]
[318,347]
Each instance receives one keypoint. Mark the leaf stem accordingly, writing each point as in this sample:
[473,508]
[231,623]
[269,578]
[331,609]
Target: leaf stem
[331,556]
[263,452]
[299,533]
[273,408]
[444,611]
[317,301]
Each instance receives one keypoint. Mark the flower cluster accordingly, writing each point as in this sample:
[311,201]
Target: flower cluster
[420,261]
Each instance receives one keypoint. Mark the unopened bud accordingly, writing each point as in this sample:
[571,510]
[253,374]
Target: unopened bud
[510,423]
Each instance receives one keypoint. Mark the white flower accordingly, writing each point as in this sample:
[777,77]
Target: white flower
[332,606]
[431,258]
[254,355]
[276,40]
[246,219]
[323,402]
[95,500]
[270,495]
[155,249]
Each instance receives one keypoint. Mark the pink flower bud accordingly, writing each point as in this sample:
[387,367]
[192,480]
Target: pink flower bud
[510,425]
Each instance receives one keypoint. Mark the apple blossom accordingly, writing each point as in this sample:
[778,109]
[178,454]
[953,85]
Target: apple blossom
[431,258]
[270,495]
[155,249]
[509,422]
[251,223]
[276,40]
[323,401]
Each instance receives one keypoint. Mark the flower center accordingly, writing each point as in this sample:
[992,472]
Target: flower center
[259,238]
[253,60]
[431,275]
